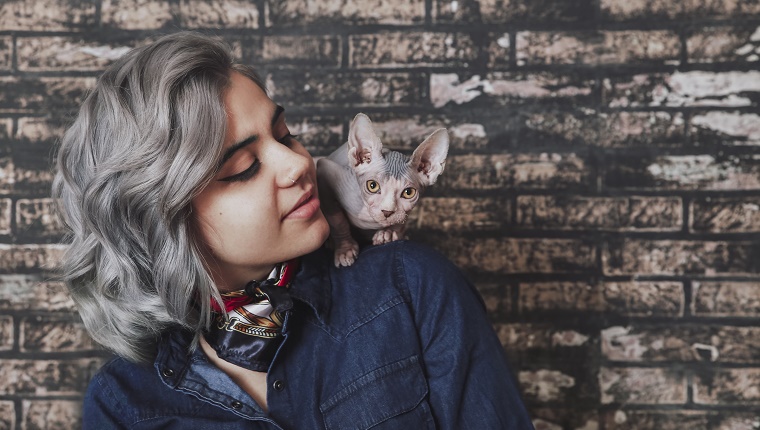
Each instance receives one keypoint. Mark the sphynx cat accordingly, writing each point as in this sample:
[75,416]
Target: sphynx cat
[364,185]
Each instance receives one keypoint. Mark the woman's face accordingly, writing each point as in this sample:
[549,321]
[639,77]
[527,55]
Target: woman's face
[262,206]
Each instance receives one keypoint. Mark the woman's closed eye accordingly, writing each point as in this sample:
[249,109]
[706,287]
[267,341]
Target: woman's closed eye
[246,174]
[251,171]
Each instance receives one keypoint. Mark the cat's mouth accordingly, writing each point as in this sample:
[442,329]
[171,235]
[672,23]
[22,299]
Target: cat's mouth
[396,218]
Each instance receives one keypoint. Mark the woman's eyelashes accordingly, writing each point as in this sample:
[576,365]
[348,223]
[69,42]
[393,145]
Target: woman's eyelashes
[251,171]
[246,174]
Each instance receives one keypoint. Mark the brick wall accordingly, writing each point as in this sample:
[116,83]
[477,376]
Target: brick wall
[602,189]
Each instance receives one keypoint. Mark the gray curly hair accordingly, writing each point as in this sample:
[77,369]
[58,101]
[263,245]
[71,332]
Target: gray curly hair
[146,141]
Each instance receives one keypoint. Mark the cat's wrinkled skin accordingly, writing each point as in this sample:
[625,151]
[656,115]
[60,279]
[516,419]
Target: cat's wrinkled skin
[372,188]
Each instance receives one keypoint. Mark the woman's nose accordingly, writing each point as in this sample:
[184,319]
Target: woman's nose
[292,166]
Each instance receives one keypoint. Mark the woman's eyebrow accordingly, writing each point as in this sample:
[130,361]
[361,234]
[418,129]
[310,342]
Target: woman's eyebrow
[229,152]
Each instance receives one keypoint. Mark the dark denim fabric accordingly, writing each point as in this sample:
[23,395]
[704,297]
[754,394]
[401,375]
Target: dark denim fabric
[399,340]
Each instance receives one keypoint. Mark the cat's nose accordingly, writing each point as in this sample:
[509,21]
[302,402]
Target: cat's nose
[388,213]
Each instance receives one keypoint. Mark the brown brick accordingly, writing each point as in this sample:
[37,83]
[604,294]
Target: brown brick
[398,49]
[653,9]
[646,343]
[7,174]
[727,128]
[33,174]
[46,377]
[525,171]
[600,213]
[319,134]
[564,417]
[53,334]
[684,172]
[5,216]
[751,7]
[219,14]
[694,88]
[66,53]
[674,257]
[507,88]
[36,129]
[725,215]
[136,14]
[30,292]
[47,15]
[660,420]
[44,93]
[726,299]
[52,414]
[460,214]
[609,47]
[6,333]
[25,257]
[403,132]
[496,297]
[6,52]
[511,255]
[656,298]
[6,127]
[727,387]
[523,337]
[603,129]
[736,421]
[7,415]
[636,385]
[345,88]
[623,298]
[499,50]
[300,12]
[507,11]
[307,51]
[38,217]
[717,44]
[545,385]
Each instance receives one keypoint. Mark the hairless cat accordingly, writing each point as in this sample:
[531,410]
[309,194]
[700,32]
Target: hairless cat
[364,185]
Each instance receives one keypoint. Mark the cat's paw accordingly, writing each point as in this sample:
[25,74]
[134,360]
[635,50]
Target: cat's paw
[384,236]
[346,253]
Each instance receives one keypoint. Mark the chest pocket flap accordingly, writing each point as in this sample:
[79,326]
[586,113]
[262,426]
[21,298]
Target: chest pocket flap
[380,395]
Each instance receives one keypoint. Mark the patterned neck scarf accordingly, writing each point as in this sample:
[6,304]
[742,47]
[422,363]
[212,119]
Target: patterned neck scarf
[251,331]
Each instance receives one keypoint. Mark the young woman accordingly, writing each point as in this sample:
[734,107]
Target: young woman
[196,257]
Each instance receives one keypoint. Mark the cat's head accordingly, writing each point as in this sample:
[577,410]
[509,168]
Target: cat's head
[391,182]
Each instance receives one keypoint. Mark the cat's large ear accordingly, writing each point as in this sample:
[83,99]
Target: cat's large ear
[430,157]
[363,144]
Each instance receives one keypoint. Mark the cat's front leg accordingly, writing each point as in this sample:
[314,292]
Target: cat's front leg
[389,234]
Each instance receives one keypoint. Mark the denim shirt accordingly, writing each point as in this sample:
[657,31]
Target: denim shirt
[399,340]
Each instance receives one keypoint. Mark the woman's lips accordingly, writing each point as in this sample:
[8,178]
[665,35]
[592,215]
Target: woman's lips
[305,208]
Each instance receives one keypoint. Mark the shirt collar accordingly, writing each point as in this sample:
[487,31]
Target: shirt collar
[312,283]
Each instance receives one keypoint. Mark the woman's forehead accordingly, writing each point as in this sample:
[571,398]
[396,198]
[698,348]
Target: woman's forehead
[249,109]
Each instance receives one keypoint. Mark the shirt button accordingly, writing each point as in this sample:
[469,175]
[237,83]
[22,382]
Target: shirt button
[278,385]
[168,373]
[236,405]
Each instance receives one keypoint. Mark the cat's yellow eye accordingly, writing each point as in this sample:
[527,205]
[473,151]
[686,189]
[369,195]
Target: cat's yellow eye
[373,186]
[409,193]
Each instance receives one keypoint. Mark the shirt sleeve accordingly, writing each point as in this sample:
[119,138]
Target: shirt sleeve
[471,385]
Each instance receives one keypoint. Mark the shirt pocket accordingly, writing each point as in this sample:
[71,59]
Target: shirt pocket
[390,397]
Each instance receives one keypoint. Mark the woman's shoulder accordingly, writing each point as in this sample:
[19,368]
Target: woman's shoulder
[402,265]
[119,378]
[400,255]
